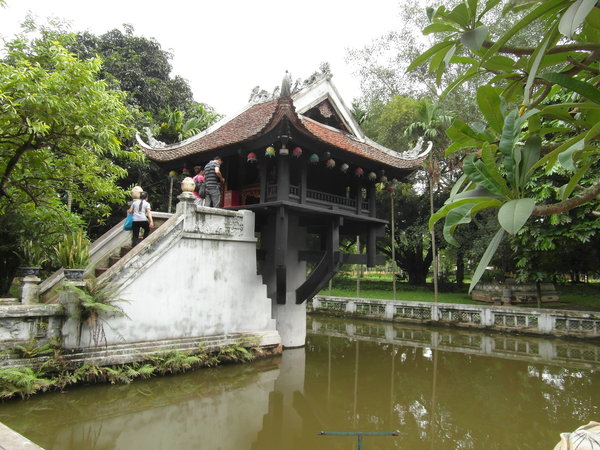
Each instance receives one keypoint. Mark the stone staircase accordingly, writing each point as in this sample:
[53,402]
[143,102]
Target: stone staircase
[112,260]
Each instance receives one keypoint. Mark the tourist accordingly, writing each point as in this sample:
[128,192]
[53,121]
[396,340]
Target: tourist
[142,218]
[212,178]
[198,178]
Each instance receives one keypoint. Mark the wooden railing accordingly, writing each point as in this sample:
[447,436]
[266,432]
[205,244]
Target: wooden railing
[319,198]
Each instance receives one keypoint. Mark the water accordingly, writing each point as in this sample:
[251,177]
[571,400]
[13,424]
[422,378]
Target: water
[441,389]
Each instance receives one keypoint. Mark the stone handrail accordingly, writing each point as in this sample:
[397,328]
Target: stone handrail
[554,322]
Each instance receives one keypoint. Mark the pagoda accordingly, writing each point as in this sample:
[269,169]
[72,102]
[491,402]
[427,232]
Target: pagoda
[302,164]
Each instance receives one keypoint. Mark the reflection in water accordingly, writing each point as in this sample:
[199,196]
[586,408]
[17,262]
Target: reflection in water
[441,389]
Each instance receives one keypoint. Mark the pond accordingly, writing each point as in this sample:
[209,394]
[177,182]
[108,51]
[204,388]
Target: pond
[439,388]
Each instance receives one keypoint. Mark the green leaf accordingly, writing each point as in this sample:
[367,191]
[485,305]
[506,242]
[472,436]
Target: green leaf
[490,106]
[486,258]
[530,155]
[584,89]
[438,28]
[499,63]
[575,178]
[550,158]
[574,16]
[532,16]
[565,158]
[535,60]
[455,217]
[514,213]
[478,172]
[420,60]
[473,39]
[460,15]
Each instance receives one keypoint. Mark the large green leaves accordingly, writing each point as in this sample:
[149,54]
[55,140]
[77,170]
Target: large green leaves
[514,213]
[486,258]
[574,16]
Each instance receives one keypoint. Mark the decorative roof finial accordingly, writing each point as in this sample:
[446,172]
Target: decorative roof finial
[286,85]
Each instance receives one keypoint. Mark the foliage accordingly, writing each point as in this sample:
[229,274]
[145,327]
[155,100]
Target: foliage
[56,373]
[73,252]
[526,133]
[32,349]
[32,254]
[59,128]
[96,302]
[174,127]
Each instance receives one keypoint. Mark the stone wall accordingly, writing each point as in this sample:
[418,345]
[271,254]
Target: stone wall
[529,320]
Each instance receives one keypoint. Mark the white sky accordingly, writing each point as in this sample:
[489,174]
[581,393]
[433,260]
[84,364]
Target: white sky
[226,47]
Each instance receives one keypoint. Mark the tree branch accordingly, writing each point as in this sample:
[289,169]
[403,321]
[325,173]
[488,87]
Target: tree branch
[588,194]
[524,51]
[14,161]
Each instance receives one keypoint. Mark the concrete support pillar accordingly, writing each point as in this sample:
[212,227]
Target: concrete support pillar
[30,291]
[71,329]
[290,317]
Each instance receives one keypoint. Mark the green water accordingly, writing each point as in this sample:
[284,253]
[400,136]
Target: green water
[441,389]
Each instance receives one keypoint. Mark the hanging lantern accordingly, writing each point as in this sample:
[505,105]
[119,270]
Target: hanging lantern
[297,152]
[359,172]
[314,158]
[284,151]
[383,179]
[390,188]
[330,163]
[185,172]
[173,174]
[344,167]
[270,152]
[372,176]
[251,158]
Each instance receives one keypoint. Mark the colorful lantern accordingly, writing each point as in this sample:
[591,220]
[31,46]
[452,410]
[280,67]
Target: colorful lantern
[251,158]
[344,167]
[185,171]
[173,174]
[270,152]
[372,176]
[314,158]
[284,151]
[390,188]
[297,152]
[330,163]
[359,172]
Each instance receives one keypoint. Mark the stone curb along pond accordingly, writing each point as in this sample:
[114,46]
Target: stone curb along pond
[552,322]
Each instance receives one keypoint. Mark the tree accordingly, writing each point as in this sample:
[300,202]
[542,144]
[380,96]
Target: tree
[526,133]
[59,128]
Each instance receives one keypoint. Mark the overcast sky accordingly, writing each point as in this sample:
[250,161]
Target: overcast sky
[225,48]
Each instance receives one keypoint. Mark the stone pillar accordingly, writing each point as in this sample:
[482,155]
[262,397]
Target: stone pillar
[290,317]
[71,329]
[30,290]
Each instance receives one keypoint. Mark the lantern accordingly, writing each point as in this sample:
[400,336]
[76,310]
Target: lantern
[344,167]
[283,151]
[383,179]
[372,176]
[390,188]
[314,158]
[359,172]
[173,174]
[326,155]
[330,164]
[185,171]
[297,152]
[270,152]
[251,158]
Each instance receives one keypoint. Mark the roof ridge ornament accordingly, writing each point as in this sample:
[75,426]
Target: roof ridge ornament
[152,141]
[415,152]
[286,85]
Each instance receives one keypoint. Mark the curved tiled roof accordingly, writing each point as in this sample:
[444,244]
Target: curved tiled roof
[259,119]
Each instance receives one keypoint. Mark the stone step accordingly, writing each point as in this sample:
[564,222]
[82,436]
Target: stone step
[99,271]
[125,249]
[113,260]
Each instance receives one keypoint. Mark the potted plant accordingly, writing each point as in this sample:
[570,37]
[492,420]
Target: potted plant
[73,254]
[32,257]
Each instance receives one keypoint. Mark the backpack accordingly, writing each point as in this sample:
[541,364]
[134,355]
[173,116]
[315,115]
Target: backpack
[200,188]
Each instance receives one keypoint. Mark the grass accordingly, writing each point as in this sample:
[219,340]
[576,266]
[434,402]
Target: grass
[379,286]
